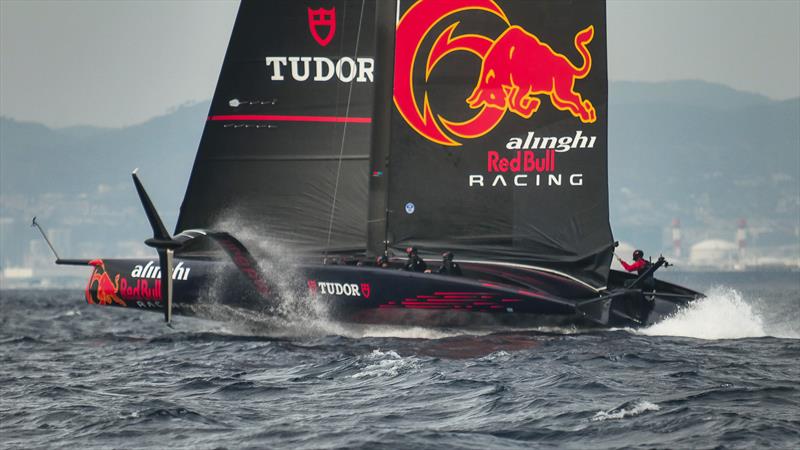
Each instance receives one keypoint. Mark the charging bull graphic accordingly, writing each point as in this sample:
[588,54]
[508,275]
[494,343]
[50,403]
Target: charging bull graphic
[518,71]
[519,67]
[107,291]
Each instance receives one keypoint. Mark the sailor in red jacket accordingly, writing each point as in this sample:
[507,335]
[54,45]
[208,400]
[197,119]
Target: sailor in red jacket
[636,308]
[639,265]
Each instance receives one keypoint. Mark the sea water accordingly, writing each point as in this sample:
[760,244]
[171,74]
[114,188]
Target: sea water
[722,373]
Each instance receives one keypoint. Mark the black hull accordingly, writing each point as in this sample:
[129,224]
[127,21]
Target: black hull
[487,295]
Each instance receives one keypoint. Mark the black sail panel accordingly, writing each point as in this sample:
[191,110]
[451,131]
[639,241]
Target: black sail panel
[499,133]
[285,151]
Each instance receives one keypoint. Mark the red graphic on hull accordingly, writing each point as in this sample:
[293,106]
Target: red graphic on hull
[475,301]
[322,18]
[140,290]
[518,70]
[106,290]
[365,290]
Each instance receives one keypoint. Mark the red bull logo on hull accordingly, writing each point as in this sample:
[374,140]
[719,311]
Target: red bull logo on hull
[101,290]
[115,283]
[519,72]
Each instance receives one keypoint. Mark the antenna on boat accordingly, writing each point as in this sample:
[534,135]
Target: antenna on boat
[162,242]
[34,223]
[59,261]
[386,240]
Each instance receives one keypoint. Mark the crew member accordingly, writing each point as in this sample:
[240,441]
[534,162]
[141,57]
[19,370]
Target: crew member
[382,262]
[634,305]
[639,265]
[414,262]
[448,266]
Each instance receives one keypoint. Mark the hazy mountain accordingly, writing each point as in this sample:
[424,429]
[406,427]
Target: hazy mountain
[703,153]
[697,151]
[38,159]
[77,180]
[685,93]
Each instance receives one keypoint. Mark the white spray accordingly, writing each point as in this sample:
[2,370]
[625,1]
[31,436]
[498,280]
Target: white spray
[723,314]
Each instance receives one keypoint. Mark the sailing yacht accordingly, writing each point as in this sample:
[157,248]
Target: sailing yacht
[342,131]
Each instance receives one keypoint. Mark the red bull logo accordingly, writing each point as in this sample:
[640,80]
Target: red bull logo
[518,72]
[101,290]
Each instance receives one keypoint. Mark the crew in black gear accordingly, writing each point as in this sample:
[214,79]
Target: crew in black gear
[414,262]
[448,266]
[382,262]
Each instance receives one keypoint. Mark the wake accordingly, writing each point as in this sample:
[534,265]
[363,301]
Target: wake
[723,314]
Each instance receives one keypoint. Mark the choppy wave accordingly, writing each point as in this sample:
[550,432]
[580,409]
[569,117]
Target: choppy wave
[385,364]
[74,375]
[629,409]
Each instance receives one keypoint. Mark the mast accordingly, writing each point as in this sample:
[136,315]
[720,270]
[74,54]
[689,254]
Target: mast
[377,212]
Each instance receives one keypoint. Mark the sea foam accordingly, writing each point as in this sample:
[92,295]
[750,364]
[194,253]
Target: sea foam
[626,410]
[386,364]
[723,314]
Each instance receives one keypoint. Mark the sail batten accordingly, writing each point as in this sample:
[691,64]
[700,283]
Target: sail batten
[289,158]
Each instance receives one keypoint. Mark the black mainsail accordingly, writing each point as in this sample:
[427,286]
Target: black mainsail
[285,151]
[490,142]
[499,134]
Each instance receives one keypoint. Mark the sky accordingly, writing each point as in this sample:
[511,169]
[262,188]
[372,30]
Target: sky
[118,63]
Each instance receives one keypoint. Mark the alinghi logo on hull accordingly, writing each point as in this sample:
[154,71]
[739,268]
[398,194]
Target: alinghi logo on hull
[151,270]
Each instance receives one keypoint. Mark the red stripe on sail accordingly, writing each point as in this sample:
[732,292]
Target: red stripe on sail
[274,118]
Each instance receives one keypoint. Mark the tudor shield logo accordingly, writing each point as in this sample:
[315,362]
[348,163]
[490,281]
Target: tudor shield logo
[519,72]
[322,67]
[365,290]
[322,22]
